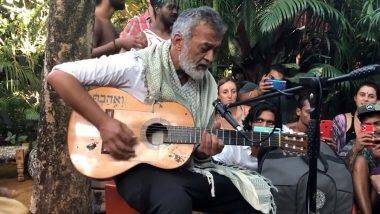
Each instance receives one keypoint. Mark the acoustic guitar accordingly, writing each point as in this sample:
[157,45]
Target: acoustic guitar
[166,136]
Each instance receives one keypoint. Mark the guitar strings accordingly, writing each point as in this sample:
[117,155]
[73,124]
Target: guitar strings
[180,130]
[187,130]
[170,131]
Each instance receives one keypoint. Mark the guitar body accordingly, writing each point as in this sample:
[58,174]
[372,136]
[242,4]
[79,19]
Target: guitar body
[145,120]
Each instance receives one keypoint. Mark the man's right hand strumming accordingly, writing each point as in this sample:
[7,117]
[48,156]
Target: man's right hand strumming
[118,139]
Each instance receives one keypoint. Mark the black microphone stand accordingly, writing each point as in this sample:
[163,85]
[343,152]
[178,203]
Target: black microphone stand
[314,85]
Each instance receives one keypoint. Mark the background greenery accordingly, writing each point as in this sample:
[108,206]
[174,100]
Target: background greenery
[22,39]
[311,37]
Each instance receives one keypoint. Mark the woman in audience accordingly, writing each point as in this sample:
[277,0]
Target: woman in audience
[345,126]
[348,143]
[227,94]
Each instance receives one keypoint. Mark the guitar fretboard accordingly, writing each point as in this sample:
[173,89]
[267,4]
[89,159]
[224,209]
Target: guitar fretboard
[189,135]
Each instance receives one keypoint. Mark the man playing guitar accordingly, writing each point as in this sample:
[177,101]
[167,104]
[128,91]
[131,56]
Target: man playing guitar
[175,70]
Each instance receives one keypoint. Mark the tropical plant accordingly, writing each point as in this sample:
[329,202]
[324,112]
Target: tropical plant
[19,114]
[22,38]
[22,34]
[132,8]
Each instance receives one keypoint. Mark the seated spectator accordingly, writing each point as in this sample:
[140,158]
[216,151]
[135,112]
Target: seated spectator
[246,90]
[165,13]
[273,72]
[227,94]
[366,160]
[302,113]
[285,104]
[345,126]
[105,37]
[261,114]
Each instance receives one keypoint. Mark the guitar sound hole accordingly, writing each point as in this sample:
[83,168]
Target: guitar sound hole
[156,133]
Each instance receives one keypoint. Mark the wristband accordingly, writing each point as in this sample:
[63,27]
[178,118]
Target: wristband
[114,45]
[206,159]
[196,147]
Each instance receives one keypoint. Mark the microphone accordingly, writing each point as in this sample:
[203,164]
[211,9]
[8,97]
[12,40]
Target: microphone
[357,73]
[226,114]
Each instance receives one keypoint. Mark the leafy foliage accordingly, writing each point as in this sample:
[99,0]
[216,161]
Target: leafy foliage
[132,8]
[22,38]
[22,34]
[284,10]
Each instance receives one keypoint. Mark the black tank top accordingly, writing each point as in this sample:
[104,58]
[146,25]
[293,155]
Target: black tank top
[350,134]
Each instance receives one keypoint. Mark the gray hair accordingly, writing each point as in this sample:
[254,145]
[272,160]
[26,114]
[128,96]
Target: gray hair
[190,18]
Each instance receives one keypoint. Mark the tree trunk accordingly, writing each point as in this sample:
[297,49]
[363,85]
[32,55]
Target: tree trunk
[59,188]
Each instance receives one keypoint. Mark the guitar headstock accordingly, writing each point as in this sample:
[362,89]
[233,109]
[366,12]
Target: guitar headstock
[294,144]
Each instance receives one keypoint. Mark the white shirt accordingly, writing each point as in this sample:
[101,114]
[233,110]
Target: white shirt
[238,156]
[241,155]
[125,71]
[152,38]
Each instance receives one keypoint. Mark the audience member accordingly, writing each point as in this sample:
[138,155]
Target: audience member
[165,13]
[285,104]
[227,94]
[346,141]
[273,72]
[261,114]
[366,158]
[105,37]
[345,126]
[303,110]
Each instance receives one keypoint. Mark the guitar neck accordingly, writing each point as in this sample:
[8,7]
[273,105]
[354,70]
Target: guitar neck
[189,135]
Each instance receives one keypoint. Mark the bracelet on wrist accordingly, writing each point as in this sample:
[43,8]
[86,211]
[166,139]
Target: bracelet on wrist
[115,46]
[197,156]
[196,147]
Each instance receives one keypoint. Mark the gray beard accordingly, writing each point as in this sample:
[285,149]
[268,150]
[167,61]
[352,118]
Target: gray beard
[190,68]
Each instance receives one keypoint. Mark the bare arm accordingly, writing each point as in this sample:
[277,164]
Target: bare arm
[77,97]
[117,137]
[101,34]
[116,45]
[107,49]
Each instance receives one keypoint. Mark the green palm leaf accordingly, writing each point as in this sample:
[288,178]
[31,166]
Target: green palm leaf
[280,11]
[369,23]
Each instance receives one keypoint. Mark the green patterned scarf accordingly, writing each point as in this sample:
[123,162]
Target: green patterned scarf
[163,84]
